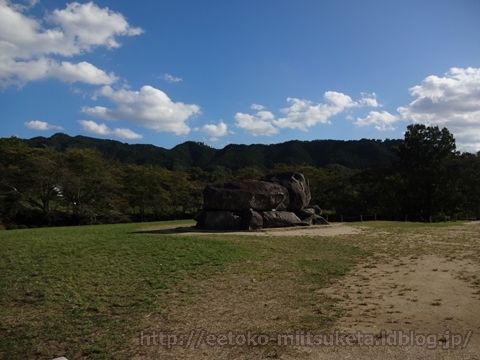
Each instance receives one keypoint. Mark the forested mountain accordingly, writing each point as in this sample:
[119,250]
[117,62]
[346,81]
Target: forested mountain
[65,180]
[355,154]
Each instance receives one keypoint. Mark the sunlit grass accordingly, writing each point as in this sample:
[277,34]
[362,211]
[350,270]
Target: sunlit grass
[83,289]
[406,224]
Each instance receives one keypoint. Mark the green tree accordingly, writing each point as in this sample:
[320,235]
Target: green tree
[424,158]
[29,177]
[90,188]
[145,190]
[12,154]
[467,173]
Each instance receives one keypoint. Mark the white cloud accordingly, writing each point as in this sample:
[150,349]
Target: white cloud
[19,72]
[382,120]
[149,107]
[171,79]
[27,47]
[215,131]
[95,128]
[97,111]
[102,129]
[124,133]
[452,101]
[41,125]
[301,113]
[257,107]
[258,124]
[369,100]
[82,72]
[88,25]
[25,5]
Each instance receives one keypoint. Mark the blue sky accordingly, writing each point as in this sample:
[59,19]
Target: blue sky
[221,72]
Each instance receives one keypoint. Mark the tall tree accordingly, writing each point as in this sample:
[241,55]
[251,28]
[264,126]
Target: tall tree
[30,176]
[89,186]
[146,192]
[424,158]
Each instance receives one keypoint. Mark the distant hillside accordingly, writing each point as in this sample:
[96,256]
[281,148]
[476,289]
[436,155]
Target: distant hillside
[352,153]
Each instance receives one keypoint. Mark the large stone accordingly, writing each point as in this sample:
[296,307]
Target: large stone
[244,195]
[305,213]
[314,219]
[219,220]
[280,219]
[298,188]
[317,209]
[320,220]
[252,220]
[311,215]
[276,201]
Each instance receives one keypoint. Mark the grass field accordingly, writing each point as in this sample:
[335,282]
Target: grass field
[83,291]
[87,292]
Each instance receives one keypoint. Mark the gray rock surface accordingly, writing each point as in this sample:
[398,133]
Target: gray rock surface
[279,200]
[297,186]
[219,220]
[273,219]
[252,220]
[243,195]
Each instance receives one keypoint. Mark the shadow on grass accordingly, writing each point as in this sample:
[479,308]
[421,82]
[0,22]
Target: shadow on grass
[190,230]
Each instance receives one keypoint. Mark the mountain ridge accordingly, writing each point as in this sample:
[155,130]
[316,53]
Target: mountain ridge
[358,154]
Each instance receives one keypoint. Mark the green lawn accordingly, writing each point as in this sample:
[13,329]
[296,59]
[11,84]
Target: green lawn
[407,225]
[82,288]
[82,292]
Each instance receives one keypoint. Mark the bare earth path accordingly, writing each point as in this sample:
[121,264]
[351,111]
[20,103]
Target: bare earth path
[425,295]
[312,231]
[417,279]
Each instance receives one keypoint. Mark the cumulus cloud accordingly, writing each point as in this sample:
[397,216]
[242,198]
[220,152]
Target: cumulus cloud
[41,125]
[257,107]
[97,111]
[451,100]
[81,72]
[215,131]
[300,113]
[25,5]
[149,107]
[95,128]
[258,124]
[124,133]
[28,48]
[19,72]
[102,129]
[87,25]
[382,120]
[369,100]
[171,79]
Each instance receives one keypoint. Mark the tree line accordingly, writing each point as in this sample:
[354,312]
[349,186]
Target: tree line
[358,154]
[428,180]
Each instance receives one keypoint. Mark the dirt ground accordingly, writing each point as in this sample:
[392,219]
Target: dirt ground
[423,281]
[316,230]
[425,295]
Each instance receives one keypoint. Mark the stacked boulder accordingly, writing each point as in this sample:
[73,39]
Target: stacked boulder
[275,201]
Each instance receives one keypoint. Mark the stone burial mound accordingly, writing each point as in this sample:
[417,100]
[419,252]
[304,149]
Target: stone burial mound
[278,200]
